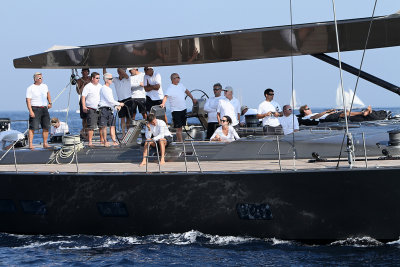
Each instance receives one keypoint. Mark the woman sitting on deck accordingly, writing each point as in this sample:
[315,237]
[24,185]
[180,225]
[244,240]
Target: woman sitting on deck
[225,133]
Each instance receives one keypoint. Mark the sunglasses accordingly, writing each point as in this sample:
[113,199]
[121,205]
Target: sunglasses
[216,89]
[307,109]
[271,94]
[97,78]
[288,109]
[177,77]
[39,78]
[224,120]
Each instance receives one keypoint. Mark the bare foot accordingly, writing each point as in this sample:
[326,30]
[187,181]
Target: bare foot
[115,143]
[162,162]
[107,144]
[142,163]
[90,145]
[46,145]
[367,111]
[31,148]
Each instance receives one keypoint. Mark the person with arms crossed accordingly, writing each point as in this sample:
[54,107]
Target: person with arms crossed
[90,104]
[38,101]
[153,88]
[138,92]
[211,108]
[230,106]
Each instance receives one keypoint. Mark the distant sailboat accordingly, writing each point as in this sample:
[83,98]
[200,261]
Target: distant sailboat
[348,97]
[294,101]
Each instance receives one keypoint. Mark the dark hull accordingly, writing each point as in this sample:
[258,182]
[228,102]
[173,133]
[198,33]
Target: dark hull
[310,206]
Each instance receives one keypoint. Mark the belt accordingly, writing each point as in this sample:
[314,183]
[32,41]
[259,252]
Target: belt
[39,106]
[107,108]
[91,108]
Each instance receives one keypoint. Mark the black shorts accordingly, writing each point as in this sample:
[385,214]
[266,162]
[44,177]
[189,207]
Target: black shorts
[106,117]
[179,118]
[92,117]
[139,103]
[126,110]
[42,117]
[150,103]
[211,127]
[81,113]
[270,130]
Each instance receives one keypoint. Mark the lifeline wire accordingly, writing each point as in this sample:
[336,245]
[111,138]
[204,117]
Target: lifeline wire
[358,76]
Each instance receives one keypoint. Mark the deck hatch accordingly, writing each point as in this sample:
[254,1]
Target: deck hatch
[112,209]
[35,207]
[7,206]
[248,211]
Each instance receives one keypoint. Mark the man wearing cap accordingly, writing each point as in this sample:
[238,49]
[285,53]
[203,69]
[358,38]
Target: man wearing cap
[176,93]
[229,106]
[288,120]
[122,86]
[107,104]
[153,88]
[269,111]
[138,92]
[90,103]
[38,101]
[245,110]
[80,84]
[211,107]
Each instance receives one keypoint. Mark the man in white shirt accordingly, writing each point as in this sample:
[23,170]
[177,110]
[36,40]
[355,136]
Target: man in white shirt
[245,110]
[153,88]
[58,127]
[122,85]
[176,93]
[269,111]
[288,120]
[229,106]
[38,101]
[138,92]
[90,104]
[156,131]
[211,107]
[107,104]
[80,84]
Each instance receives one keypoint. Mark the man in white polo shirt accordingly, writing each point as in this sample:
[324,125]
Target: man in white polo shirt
[176,93]
[38,101]
[269,111]
[211,107]
[122,85]
[153,88]
[90,104]
[138,92]
[229,106]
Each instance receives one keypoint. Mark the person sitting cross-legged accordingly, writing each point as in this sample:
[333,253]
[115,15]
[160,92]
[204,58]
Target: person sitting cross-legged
[156,131]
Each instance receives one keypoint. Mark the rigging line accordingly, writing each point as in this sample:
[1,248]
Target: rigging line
[59,94]
[292,71]
[340,71]
[69,101]
[359,72]
[363,55]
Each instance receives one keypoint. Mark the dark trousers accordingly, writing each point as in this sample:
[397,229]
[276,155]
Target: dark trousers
[211,127]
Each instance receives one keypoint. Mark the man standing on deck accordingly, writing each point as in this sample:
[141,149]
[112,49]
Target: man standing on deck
[122,86]
[38,101]
[138,92]
[269,111]
[90,104]
[211,107]
[229,106]
[153,88]
[176,93]
[80,84]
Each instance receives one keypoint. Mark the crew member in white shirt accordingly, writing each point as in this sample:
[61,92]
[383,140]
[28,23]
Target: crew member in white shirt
[90,104]
[107,104]
[288,120]
[58,127]
[229,106]
[211,107]
[176,93]
[156,131]
[153,88]
[38,101]
[225,133]
[244,111]
[122,85]
[269,111]
[138,92]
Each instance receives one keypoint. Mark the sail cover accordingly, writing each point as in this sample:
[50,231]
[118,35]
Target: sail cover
[312,38]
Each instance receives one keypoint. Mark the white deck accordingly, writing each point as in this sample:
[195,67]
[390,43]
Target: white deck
[206,166]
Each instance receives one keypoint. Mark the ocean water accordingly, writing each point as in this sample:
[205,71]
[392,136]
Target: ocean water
[182,249]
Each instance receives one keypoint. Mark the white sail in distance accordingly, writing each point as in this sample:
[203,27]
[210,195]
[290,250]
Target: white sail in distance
[348,97]
[294,101]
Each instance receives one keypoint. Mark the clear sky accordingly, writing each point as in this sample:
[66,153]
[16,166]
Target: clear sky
[31,27]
